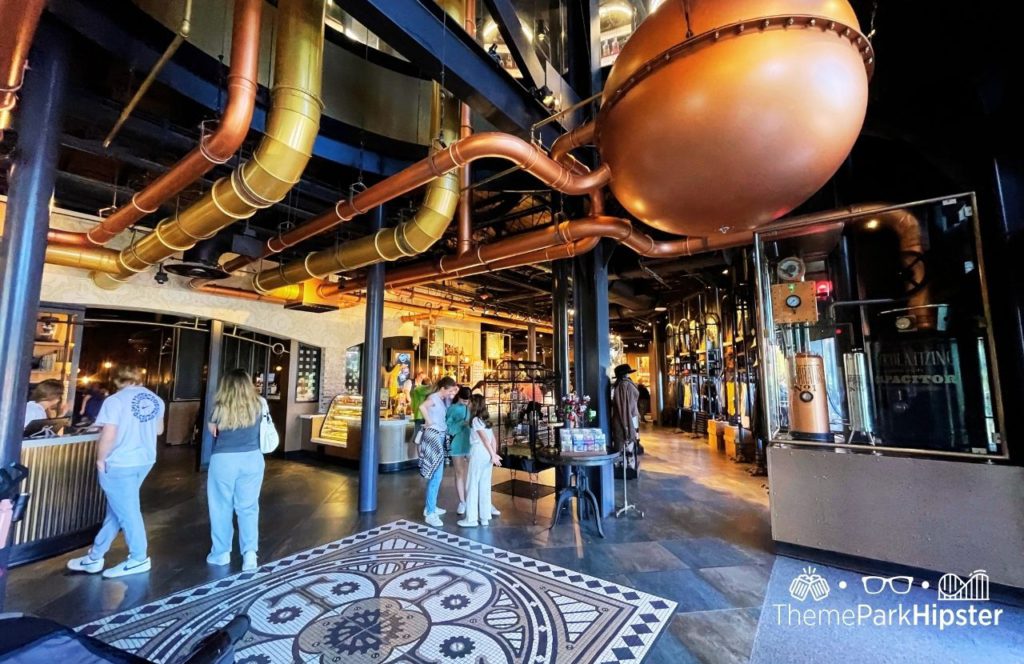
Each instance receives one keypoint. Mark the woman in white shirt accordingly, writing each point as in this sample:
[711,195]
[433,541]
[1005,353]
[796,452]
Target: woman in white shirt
[483,456]
[432,448]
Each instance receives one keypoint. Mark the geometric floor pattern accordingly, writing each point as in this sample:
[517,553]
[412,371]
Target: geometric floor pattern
[402,592]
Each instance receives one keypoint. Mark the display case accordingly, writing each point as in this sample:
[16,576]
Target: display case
[344,409]
[876,333]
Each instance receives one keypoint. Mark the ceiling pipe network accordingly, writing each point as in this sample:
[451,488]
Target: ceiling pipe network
[277,163]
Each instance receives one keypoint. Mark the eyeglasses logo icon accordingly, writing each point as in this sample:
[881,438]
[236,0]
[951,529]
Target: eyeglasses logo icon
[899,585]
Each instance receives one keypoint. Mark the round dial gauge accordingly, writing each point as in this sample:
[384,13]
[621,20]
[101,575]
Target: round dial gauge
[793,301]
[791,269]
[904,323]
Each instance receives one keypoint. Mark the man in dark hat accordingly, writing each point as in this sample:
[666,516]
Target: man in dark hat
[625,418]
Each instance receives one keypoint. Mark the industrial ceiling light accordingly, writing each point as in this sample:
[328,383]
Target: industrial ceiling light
[660,309]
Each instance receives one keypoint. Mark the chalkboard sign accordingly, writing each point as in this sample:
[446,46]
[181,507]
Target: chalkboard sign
[189,361]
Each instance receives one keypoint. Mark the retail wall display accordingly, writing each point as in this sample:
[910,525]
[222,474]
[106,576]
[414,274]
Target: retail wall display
[307,382]
[891,346]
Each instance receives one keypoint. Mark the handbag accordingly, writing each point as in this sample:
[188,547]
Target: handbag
[269,440]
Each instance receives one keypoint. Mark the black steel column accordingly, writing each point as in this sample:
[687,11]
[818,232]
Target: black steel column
[560,321]
[23,246]
[213,362]
[658,372]
[592,329]
[369,454]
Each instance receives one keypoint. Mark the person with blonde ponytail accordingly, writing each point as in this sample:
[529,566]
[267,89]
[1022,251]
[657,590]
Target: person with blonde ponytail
[236,469]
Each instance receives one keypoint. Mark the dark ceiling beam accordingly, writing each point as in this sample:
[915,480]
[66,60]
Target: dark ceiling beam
[104,23]
[421,31]
[536,72]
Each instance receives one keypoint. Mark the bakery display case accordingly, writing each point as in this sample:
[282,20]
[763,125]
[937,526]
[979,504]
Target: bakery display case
[338,434]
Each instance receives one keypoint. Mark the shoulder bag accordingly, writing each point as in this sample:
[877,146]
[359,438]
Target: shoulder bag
[269,440]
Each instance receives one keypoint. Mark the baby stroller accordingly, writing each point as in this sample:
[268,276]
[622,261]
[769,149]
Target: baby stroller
[30,640]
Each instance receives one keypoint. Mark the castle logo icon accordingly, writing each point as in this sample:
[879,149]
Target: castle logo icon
[974,588]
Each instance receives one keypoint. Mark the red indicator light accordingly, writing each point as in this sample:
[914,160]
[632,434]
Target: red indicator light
[823,289]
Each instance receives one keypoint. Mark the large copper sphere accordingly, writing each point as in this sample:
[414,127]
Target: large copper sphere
[740,123]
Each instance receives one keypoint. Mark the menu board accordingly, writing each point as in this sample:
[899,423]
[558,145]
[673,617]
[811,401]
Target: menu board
[307,383]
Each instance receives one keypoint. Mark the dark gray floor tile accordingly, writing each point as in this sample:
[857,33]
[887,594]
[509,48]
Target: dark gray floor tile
[685,587]
[717,637]
[701,552]
[743,585]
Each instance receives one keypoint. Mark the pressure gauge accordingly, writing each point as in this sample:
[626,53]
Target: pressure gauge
[791,269]
[793,301]
[904,323]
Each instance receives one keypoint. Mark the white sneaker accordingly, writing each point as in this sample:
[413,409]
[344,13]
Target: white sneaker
[219,559]
[495,511]
[249,563]
[465,523]
[127,568]
[438,511]
[85,564]
[462,508]
[434,520]
[485,522]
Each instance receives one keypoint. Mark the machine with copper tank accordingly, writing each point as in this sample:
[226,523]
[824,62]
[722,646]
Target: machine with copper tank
[876,333]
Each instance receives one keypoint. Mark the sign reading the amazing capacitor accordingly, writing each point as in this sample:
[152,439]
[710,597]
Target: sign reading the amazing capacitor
[919,393]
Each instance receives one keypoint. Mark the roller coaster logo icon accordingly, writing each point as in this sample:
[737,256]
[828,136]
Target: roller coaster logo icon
[974,588]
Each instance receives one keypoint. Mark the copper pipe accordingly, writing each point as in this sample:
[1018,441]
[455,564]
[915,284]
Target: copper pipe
[526,156]
[566,143]
[545,243]
[465,227]
[277,163]
[18,22]
[68,238]
[179,38]
[401,297]
[908,229]
[216,148]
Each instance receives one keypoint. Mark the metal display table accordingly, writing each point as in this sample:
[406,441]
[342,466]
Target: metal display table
[579,484]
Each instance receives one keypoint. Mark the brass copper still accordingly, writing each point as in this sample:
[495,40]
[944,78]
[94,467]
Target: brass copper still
[728,115]
[808,398]
[277,163]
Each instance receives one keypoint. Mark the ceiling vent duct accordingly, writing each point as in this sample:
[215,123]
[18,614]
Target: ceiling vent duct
[312,301]
[203,260]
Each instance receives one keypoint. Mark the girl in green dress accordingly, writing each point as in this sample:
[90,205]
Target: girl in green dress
[458,419]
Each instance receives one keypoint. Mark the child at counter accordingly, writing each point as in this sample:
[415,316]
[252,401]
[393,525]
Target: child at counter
[483,456]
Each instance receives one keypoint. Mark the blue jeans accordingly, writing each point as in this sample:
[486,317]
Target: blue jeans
[433,486]
[121,487]
[233,487]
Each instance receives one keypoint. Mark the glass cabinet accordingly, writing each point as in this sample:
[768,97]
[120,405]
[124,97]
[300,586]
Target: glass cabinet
[875,331]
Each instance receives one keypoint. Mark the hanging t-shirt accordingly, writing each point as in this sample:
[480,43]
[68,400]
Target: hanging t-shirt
[137,414]
[33,412]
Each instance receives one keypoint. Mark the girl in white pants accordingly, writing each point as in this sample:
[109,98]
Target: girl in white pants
[483,456]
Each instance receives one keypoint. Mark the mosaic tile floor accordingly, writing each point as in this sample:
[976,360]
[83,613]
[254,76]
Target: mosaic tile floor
[403,592]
